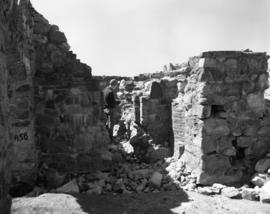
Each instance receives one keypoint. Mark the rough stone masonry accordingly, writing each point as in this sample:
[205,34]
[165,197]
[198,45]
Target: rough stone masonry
[51,117]
[50,107]
[220,116]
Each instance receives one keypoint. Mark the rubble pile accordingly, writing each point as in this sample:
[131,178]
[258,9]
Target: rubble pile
[125,177]
[129,175]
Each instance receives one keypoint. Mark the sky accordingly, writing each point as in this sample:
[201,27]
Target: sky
[129,37]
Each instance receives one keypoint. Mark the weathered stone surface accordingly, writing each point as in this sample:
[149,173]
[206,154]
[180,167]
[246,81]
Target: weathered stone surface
[156,179]
[231,86]
[49,201]
[260,179]
[215,164]
[155,154]
[250,194]
[71,187]
[216,127]
[57,36]
[262,165]
[256,102]
[230,192]
[246,141]
[205,190]
[265,193]
[95,190]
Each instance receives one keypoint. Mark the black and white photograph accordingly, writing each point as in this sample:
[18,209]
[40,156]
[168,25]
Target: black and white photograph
[134,107]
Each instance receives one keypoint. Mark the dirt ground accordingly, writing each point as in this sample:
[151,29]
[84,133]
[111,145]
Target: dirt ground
[175,202]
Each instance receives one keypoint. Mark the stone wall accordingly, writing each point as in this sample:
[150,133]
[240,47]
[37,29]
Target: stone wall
[220,115]
[154,110]
[51,107]
[68,105]
[21,101]
[18,150]
[5,143]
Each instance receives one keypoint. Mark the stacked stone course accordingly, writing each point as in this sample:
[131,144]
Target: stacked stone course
[153,110]
[51,108]
[69,118]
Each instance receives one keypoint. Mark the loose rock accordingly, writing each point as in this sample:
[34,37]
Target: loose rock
[156,179]
[71,187]
[262,165]
[250,194]
[230,192]
[259,179]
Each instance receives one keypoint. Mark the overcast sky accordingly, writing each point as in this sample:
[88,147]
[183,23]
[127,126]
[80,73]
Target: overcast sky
[128,37]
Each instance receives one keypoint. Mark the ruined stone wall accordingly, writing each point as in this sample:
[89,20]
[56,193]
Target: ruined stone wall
[220,116]
[154,110]
[51,108]
[5,11]
[18,151]
[68,105]
[20,91]
[17,90]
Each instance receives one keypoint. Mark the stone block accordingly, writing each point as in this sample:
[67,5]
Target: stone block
[246,141]
[265,121]
[217,127]
[230,192]
[263,82]
[262,165]
[250,194]
[206,179]
[201,111]
[209,63]
[41,24]
[71,187]
[231,65]
[265,193]
[208,144]
[57,37]
[224,144]
[264,131]
[259,148]
[40,39]
[259,179]
[256,64]
[156,179]
[256,102]
[216,164]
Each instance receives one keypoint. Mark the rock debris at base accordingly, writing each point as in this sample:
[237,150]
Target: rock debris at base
[167,175]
